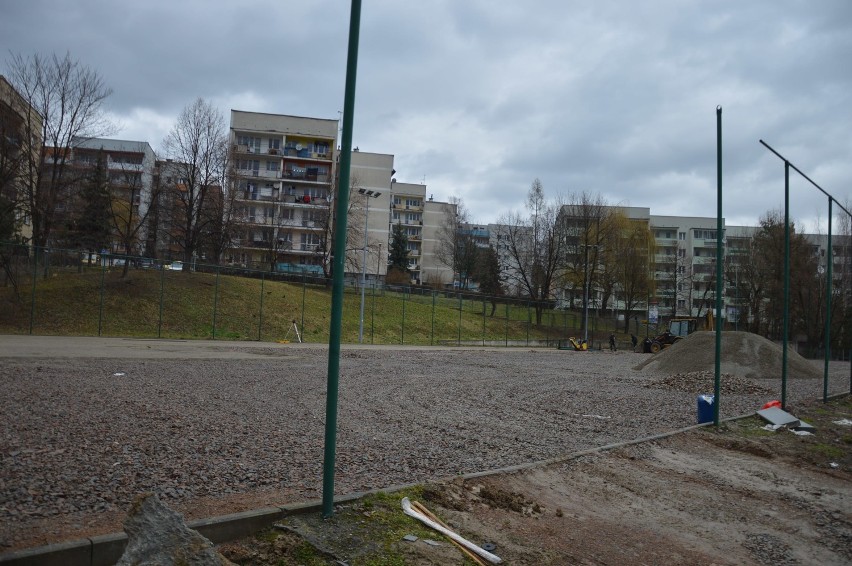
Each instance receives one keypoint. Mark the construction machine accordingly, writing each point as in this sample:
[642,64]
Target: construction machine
[679,328]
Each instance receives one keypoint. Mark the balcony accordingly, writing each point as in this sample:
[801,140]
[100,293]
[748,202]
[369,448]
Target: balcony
[306,154]
[306,177]
[248,195]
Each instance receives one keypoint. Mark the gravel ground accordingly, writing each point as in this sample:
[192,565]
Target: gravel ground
[80,437]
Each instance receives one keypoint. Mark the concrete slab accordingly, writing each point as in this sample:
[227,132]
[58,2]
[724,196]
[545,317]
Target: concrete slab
[777,416]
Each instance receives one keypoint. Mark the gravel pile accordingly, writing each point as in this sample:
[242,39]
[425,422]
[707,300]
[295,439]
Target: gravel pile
[704,381]
[743,354]
[80,437]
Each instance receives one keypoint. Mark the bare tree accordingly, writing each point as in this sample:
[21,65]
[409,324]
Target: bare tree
[223,221]
[125,190]
[197,145]
[586,230]
[627,258]
[327,220]
[456,246]
[67,98]
[534,247]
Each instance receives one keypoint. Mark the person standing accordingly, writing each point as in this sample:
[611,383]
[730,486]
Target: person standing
[612,342]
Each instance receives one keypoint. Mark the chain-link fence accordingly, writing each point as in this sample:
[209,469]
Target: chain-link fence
[73,292]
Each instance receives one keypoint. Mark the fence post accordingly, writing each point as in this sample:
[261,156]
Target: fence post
[507,324]
[483,322]
[33,293]
[373,314]
[529,320]
[402,336]
[260,315]
[461,308]
[101,305]
[304,287]
[162,287]
[215,301]
[432,335]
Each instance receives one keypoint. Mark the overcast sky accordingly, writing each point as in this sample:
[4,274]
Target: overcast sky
[478,97]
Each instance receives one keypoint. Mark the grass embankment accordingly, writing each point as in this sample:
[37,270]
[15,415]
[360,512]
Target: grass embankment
[170,304]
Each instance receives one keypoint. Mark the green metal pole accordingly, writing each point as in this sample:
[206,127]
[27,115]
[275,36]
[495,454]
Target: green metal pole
[827,308]
[461,307]
[338,263]
[432,335]
[304,290]
[33,291]
[402,337]
[260,314]
[507,324]
[483,322]
[718,363]
[786,313]
[373,314]
[529,319]
[215,301]
[162,291]
[101,306]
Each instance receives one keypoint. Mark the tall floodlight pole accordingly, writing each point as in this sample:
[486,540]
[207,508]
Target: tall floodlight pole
[338,262]
[786,318]
[368,195]
[718,363]
[828,283]
[586,299]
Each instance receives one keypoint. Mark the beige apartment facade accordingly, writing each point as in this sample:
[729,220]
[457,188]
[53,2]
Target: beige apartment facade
[284,172]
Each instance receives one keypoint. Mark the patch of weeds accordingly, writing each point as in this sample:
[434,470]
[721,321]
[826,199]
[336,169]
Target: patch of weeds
[267,535]
[307,555]
[828,451]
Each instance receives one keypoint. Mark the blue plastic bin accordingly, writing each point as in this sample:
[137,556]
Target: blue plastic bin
[705,409]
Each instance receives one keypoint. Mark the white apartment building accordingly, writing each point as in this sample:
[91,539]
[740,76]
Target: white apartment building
[285,170]
[397,203]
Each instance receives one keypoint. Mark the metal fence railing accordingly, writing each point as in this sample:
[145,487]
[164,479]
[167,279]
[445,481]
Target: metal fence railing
[73,292]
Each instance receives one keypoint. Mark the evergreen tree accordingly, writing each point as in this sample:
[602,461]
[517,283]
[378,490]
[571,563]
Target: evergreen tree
[488,275]
[399,249]
[94,224]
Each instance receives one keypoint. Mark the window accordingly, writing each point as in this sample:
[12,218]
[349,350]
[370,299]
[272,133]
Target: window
[274,143]
[286,214]
[272,166]
[397,200]
[681,253]
[321,148]
[413,202]
[413,217]
[249,141]
[681,235]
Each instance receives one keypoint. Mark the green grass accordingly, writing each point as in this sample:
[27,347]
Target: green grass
[168,304]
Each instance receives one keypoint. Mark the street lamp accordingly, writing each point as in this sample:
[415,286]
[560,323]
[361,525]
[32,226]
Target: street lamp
[368,194]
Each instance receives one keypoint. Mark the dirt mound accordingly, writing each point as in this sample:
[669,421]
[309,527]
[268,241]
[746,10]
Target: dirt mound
[743,354]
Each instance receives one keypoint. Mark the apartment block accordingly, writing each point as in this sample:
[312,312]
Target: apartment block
[284,173]
[130,175]
[20,144]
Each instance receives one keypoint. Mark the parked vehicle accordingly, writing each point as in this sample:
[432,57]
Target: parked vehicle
[176,266]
